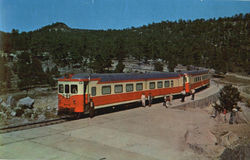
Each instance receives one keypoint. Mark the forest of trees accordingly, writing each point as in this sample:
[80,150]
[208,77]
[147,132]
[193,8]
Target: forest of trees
[222,44]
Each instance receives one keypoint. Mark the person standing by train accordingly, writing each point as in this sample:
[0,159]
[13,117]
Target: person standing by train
[91,109]
[192,94]
[183,94]
[143,100]
[225,114]
[150,98]
[170,99]
[165,102]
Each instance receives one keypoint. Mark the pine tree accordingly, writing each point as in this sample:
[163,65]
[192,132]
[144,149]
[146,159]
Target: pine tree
[158,66]
[120,67]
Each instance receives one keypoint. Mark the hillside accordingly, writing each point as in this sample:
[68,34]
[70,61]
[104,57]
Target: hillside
[222,44]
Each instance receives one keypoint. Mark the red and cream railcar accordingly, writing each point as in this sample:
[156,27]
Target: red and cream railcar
[196,79]
[75,91]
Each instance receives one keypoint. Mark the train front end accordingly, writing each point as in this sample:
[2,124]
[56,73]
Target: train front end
[72,97]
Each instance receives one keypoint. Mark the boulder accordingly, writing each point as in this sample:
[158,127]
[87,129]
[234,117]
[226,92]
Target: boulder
[26,102]
[13,113]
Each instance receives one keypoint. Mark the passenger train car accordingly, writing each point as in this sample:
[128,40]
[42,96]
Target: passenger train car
[75,91]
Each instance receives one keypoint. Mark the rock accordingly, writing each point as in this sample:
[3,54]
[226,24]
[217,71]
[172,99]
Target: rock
[13,113]
[201,140]
[3,104]
[10,101]
[228,138]
[48,108]
[41,117]
[26,102]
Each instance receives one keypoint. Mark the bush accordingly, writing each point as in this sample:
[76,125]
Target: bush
[228,97]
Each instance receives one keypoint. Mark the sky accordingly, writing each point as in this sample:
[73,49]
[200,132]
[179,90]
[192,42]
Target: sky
[28,15]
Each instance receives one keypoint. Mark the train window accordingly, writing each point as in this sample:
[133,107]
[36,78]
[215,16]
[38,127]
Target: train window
[172,83]
[74,89]
[93,91]
[166,84]
[66,88]
[152,85]
[60,88]
[106,90]
[118,89]
[159,84]
[139,86]
[129,87]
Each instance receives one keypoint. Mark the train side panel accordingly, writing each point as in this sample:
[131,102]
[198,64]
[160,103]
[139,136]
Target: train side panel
[74,94]
[157,88]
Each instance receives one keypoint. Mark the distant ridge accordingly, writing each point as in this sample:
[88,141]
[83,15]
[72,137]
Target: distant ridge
[58,26]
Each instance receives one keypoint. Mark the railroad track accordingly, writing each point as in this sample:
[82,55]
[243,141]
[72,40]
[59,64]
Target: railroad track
[33,125]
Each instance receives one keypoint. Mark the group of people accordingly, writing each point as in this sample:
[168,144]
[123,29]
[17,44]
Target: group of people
[167,99]
[234,117]
[183,95]
[144,98]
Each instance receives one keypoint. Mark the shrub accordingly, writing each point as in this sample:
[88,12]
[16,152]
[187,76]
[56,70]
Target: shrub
[228,97]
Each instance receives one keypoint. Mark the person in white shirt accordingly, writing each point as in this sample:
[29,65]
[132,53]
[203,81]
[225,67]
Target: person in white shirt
[192,93]
[143,100]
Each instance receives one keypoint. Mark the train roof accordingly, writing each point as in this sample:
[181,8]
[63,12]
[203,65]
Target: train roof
[196,72]
[125,76]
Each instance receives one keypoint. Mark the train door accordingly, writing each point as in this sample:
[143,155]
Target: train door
[67,95]
[186,84]
[85,97]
